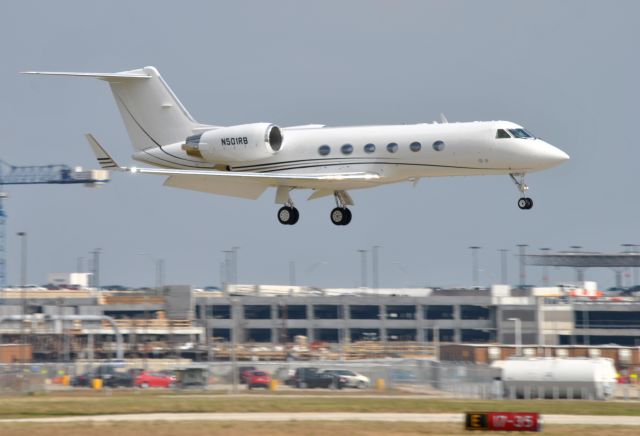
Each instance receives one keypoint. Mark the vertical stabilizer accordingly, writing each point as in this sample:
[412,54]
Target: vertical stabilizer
[151,112]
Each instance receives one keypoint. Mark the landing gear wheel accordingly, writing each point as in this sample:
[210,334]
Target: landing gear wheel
[529,203]
[525,203]
[347,217]
[341,216]
[288,215]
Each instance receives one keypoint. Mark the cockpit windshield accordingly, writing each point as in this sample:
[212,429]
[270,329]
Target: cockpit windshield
[521,133]
[501,134]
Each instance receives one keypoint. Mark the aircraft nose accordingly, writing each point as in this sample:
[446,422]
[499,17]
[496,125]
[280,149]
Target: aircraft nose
[552,156]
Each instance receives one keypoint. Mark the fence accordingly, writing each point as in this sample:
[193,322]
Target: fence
[411,376]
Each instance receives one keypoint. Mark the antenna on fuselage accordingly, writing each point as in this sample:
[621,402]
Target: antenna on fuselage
[443,119]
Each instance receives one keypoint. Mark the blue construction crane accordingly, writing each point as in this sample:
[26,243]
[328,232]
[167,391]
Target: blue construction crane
[38,175]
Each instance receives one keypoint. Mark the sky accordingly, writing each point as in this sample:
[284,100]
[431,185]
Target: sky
[568,71]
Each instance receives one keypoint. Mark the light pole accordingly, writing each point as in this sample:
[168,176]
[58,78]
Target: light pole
[503,266]
[523,272]
[363,268]
[474,264]
[234,263]
[517,333]
[23,289]
[234,343]
[375,279]
[228,258]
[23,260]
[96,267]
[159,270]
[545,268]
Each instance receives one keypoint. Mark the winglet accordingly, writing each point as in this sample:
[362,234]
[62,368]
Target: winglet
[104,159]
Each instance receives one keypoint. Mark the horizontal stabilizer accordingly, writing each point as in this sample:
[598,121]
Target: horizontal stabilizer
[102,76]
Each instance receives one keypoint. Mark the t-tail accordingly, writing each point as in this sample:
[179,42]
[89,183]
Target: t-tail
[151,112]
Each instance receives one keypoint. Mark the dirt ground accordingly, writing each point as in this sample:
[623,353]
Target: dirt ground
[277,429]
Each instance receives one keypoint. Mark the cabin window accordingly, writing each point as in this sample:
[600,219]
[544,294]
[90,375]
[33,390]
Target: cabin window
[415,146]
[347,149]
[324,150]
[438,145]
[501,134]
[369,148]
[392,147]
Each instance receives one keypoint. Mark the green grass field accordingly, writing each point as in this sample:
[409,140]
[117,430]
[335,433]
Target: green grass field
[278,429]
[120,402]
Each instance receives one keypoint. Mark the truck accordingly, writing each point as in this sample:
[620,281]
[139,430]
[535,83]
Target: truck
[556,378]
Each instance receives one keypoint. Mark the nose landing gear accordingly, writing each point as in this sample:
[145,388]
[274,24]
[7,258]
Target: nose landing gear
[524,202]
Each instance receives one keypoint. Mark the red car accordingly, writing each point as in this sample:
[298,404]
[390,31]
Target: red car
[258,379]
[148,379]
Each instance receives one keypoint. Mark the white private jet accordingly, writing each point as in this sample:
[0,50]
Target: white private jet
[244,160]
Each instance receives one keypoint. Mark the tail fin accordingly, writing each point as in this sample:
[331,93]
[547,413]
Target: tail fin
[151,112]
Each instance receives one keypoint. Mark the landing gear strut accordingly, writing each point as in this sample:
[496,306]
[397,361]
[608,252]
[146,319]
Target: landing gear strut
[524,202]
[287,214]
[340,215]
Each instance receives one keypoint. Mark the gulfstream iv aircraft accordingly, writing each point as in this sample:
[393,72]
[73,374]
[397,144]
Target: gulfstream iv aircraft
[245,160]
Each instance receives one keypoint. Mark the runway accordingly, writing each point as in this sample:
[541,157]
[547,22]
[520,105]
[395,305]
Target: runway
[315,416]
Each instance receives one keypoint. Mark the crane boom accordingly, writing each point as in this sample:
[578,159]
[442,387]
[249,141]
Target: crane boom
[39,175]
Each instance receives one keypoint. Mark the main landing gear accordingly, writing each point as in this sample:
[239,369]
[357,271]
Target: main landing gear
[341,215]
[524,202]
[289,215]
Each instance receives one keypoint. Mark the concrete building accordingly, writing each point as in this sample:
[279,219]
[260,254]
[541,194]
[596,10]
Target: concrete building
[177,315]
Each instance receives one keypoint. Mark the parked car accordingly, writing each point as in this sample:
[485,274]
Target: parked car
[354,379]
[149,379]
[258,379]
[312,378]
[243,373]
[111,377]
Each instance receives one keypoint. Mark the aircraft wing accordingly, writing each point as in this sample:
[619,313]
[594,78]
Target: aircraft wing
[239,184]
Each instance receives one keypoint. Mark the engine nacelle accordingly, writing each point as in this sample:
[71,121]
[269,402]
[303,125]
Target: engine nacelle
[236,144]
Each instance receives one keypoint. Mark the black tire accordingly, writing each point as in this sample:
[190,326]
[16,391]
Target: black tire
[523,203]
[295,215]
[529,203]
[347,217]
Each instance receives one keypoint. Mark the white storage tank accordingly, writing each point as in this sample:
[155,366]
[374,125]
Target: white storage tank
[557,377]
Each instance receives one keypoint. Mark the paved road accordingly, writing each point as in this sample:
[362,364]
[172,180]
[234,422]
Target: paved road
[385,417]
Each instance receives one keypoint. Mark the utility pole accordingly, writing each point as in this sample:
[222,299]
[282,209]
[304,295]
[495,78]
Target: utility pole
[363,268]
[475,267]
[523,272]
[504,274]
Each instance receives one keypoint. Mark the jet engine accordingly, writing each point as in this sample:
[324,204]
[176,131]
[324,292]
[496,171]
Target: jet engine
[236,144]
